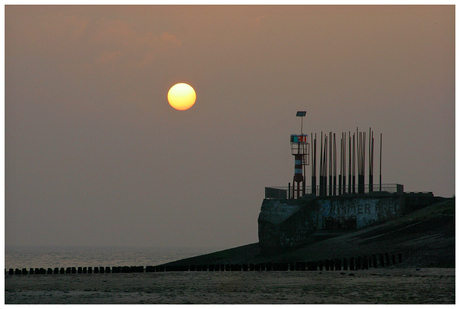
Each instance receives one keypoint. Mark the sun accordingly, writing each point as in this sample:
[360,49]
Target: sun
[181,96]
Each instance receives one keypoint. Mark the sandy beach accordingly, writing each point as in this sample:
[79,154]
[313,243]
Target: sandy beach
[373,286]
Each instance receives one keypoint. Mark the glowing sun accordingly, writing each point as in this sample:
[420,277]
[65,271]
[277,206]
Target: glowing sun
[181,96]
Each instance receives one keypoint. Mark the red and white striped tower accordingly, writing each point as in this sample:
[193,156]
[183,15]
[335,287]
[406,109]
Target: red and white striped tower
[300,151]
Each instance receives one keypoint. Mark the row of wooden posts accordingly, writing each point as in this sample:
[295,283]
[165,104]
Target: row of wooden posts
[353,263]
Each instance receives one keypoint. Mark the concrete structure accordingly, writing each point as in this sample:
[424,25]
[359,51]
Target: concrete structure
[291,217]
[289,223]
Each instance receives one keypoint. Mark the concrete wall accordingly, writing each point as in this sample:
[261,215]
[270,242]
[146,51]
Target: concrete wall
[290,223]
[287,223]
[357,212]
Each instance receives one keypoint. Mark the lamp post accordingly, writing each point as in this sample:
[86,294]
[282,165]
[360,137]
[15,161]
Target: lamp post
[301,114]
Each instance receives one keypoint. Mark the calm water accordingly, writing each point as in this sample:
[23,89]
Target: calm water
[51,257]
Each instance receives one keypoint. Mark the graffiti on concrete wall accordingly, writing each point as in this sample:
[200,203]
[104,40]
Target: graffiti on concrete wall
[355,213]
[288,223]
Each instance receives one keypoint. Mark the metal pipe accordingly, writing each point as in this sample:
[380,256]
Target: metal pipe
[371,160]
[354,167]
[363,164]
[334,190]
[325,166]
[341,165]
[344,161]
[314,170]
[349,162]
[321,167]
[313,165]
[330,163]
[380,176]
[361,161]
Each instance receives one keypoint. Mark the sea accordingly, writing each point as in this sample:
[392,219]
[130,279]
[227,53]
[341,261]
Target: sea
[60,256]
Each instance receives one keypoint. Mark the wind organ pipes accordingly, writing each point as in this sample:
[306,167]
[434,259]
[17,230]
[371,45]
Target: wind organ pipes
[343,161]
[334,156]
[349,162]
[334,177]
[330,163]
[341,166]
[353,166]
[380,176]
[371,160]
[324,171]
[361,160]
[313,165]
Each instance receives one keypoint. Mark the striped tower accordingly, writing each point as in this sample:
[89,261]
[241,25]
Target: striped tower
[299,149]
[298,174]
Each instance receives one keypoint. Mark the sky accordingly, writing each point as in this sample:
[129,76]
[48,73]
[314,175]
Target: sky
[95,156]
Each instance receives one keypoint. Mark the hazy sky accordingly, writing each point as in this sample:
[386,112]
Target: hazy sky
[96,156]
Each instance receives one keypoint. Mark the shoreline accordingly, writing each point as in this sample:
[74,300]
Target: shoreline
[373,286]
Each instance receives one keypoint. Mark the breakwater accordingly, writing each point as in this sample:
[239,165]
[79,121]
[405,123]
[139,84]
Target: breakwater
[290,223]
[337,264]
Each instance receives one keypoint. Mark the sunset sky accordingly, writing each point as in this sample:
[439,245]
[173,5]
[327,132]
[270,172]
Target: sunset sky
[94,154]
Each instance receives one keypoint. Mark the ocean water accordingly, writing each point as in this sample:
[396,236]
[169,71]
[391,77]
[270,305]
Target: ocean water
[51,257]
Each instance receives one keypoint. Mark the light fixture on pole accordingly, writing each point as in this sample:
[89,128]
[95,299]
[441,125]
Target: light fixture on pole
[301,114]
